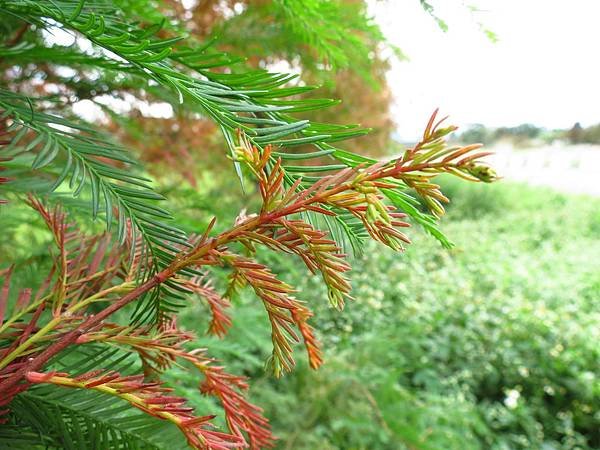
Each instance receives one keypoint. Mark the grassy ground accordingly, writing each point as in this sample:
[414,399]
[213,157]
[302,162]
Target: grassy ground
[491,345]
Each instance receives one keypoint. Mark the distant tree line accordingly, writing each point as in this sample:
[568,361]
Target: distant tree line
[528,134]
[580,135]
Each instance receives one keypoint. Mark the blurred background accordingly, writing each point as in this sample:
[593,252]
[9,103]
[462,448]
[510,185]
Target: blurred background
[529,85]
[491,344]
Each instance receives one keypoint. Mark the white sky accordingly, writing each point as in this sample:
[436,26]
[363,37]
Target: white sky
[544,69]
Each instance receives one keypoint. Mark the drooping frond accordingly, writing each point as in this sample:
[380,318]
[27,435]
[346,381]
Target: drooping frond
[71,419]
[152,398]
[220,319]
[283,310]
[158,352]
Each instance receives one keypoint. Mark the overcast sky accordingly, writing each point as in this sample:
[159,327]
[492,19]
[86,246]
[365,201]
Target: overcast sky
[544,68]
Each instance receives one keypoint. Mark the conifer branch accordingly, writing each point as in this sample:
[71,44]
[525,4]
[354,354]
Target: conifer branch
[152,398]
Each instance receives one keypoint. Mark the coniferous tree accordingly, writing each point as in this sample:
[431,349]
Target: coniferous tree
[83,350]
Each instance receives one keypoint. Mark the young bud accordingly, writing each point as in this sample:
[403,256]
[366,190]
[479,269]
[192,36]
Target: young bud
[372,214]
[482,173]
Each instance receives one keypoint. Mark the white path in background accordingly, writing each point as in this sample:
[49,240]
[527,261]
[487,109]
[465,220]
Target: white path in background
[574,169]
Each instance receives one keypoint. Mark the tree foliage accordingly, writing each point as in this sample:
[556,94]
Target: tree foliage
[83,351]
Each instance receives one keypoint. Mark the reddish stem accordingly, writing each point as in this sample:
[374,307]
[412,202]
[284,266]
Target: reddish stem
[69,338]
